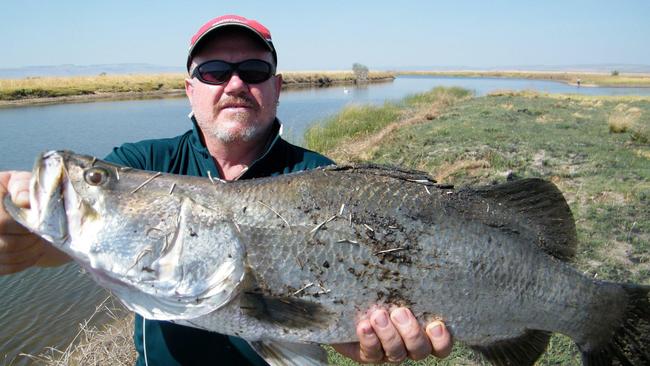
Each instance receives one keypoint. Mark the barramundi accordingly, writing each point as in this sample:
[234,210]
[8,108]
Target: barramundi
[292,262]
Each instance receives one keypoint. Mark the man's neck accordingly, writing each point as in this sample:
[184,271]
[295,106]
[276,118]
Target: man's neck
[233,159]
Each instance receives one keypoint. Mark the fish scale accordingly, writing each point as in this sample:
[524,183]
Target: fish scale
[293,261]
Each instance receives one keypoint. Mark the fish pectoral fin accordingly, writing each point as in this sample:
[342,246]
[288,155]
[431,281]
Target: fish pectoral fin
[287,312]
[290,354]
[522,350]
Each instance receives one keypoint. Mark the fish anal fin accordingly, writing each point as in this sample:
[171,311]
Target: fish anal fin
[533,207]
[290,354]
[520,351]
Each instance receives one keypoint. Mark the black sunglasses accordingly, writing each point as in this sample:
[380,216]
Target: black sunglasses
[217,72]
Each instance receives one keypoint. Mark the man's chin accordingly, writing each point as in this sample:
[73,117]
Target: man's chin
[241,134]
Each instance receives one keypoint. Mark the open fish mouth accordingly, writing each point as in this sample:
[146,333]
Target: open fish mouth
[47,215]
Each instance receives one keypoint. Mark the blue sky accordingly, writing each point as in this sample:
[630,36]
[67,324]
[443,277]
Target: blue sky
[311,35]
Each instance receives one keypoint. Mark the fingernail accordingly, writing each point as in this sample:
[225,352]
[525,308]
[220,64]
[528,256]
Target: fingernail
[22,198]
[435,329]
[400,316]
[381,320]
[366,329]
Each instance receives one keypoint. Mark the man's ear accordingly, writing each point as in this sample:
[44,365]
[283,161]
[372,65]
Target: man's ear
[278,83]
[189,89]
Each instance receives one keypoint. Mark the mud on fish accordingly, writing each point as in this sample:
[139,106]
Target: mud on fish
[291,262]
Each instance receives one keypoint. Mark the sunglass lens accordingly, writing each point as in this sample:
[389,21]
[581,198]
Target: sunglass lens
[215,72]
[254,71]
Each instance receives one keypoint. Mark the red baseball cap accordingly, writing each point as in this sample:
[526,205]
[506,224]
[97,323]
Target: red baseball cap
[223,21]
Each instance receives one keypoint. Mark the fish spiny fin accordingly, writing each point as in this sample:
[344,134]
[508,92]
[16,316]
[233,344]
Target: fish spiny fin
[290,354]
[535,206]
[630,343]
[520,351]
[387,171]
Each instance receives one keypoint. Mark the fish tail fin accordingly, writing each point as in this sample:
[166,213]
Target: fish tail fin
[630,341]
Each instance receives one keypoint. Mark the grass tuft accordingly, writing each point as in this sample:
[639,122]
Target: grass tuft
[352,122]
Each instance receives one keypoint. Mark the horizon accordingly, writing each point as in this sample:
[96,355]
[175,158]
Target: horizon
[467,34]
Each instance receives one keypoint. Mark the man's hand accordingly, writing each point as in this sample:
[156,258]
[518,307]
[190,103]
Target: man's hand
[393,337]
[19,248]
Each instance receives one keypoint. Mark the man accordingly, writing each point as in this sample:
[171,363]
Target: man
[234,92]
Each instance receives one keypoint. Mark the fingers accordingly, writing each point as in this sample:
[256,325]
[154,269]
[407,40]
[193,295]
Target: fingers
[17,185]
[15,258]
[398,336]
[370,348]
[440,339]
[416,342]
[388,335]
[19,249]
[394,337]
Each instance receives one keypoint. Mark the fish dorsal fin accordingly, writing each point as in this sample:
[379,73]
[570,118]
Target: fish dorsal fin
[533,207]
[521,351]
[387,171]
[290,354]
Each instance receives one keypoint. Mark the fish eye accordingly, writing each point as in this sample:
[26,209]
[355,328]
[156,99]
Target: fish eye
[96,176]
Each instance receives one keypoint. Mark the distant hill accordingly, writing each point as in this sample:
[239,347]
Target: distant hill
[86,70]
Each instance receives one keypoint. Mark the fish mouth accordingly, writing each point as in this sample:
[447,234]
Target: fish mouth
[47,213]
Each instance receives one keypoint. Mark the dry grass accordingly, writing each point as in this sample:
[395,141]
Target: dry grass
[329,77]
[586,79]
[97,86]
[112,344]
[624,118]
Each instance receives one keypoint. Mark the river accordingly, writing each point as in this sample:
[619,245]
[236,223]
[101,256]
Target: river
[42,307]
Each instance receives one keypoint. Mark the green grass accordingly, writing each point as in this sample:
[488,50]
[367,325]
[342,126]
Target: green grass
[358,121]
[604,175]
[352,122]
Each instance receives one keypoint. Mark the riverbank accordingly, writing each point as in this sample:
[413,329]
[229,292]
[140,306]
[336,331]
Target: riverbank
[50,90]
[572,78]
[595,149]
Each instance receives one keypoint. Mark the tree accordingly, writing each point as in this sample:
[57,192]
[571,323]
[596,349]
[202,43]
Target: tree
[360,72]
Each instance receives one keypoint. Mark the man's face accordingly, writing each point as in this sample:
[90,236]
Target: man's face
[233,111]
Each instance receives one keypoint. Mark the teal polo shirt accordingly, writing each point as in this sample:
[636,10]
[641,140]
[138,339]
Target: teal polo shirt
[165,343]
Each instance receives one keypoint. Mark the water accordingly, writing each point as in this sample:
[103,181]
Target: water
[42,307]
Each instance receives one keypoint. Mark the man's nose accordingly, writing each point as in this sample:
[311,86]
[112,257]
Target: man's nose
[234,84]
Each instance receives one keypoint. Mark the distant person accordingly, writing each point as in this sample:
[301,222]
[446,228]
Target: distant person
[578,82]
[233,90]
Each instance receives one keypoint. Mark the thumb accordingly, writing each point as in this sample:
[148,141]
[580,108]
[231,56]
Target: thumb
[17,184]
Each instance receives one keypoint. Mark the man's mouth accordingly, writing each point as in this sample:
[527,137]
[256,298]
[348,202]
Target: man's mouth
[236,103]
[237,106]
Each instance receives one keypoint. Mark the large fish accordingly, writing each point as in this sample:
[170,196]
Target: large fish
[291,262]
